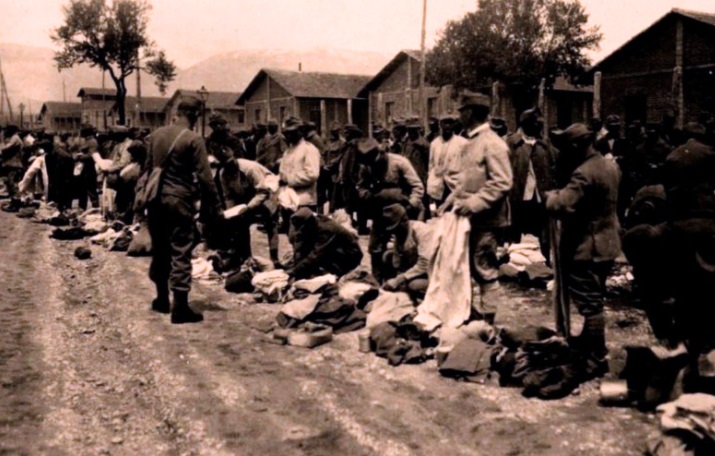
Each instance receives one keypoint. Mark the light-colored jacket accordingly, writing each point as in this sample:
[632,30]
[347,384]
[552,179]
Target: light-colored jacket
[299,169]
[445,159]
[486,178]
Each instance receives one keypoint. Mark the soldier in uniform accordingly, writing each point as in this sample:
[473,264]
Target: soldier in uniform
[220,141]
[416,150]
[181,154]
[482,194]
[345,195]
[331,166]
[385,178]
[433,127]
[589,241]
[271,147]
[12,163]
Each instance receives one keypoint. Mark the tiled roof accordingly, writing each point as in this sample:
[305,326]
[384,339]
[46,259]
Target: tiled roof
[310,85]
[62,108]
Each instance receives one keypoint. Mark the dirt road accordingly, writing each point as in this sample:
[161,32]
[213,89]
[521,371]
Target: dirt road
[85,368]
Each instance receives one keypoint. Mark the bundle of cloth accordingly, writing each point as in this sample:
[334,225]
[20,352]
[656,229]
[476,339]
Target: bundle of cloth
[318,301]
[524,262]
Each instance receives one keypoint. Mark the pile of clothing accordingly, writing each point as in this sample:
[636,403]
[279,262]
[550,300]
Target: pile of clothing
[318,301]
[545,365]
[524,262]
[687,427]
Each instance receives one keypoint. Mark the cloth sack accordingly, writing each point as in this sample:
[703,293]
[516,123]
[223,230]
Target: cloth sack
[448,300]
[141,243]
[389,307]
[271,284]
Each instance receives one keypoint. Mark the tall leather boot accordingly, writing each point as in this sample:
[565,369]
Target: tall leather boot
[593,338]
[161,303]
[181,312]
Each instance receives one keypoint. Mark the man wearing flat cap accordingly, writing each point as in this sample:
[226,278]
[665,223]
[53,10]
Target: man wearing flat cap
[411,252]
[445,161]
[345,195]
[11,154]
[385,178]
[270,147]
[220,142]
[300,166]
[329,173]
[482,195]
[589,241]
[321,246]
[181,154]
[399,133]
[533,161]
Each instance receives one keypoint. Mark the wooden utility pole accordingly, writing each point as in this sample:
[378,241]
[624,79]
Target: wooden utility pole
[422,109]
[597,95]
[4,94]
[137,121]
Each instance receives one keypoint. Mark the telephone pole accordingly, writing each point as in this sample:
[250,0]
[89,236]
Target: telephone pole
[423,108]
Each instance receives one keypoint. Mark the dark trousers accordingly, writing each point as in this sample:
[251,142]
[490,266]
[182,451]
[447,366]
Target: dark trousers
[240,233]
[172,228]
[530,217]
[12,177]
[586,282]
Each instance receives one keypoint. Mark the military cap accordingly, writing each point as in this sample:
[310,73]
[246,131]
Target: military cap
[694,129]
[367,145]
[216,118]
[392,215]
[377,129]
[87,130]
[303,218]
[498,125]
[574,132]
[531,115]
[335,126]
[309,125]
[398,122]
[272,123]
[259,126]
[352,127]
[292,124]
[448,117]
[413,123]
[190,103]
[470,99]
[613,120]
[432,120]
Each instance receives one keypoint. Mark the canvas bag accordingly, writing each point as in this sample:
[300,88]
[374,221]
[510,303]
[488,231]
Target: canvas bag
[448,300]
[149,184]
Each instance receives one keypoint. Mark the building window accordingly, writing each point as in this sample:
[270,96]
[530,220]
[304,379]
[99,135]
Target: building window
[432,107]
[282,114]
[257,117]
[241,117]
[389,111]
[636,108]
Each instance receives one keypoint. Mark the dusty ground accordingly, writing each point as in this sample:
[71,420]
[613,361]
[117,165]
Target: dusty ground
[85,368]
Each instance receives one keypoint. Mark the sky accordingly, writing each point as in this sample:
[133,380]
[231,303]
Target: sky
[193,30]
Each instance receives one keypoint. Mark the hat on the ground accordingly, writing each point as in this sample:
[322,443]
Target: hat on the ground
[217,118]
[392,215]
[471,99]
[292,124]
[367,145]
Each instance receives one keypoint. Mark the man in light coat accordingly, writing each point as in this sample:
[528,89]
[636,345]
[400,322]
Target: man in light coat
[300,167]
[482,194]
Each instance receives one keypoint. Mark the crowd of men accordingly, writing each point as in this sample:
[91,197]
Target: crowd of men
[657,183]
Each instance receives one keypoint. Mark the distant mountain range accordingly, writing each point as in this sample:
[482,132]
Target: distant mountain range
[32,78]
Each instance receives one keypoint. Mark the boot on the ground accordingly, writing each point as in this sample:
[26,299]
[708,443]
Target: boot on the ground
[161,303]
[181,312]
